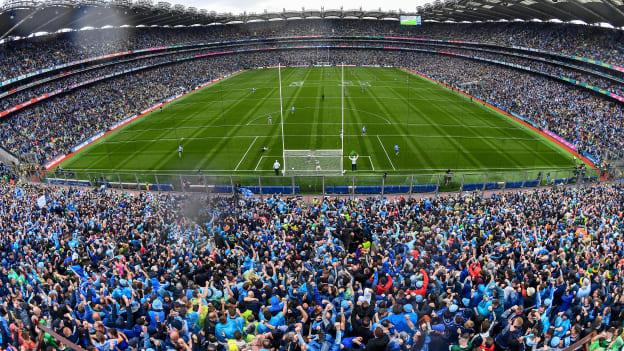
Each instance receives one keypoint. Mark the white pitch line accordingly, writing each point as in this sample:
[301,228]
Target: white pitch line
[258,165]
[371,162]
[384,149]
[242,158]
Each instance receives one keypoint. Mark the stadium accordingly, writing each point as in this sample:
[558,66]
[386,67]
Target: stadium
[443,178]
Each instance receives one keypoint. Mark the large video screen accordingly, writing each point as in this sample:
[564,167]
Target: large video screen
[411,20]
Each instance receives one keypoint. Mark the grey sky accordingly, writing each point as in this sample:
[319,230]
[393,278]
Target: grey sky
[239,6]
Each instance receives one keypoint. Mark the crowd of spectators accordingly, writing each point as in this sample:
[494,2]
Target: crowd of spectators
[7,173]
[64,79]
[23,56]
[108,270]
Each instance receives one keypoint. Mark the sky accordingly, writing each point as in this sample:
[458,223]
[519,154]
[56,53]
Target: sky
[240,6]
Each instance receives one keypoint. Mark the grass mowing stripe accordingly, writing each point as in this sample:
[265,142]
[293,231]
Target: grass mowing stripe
[246,152]
[365,143]
[375,99]
[217,148]
[491,123]
[494,148]
[386,152]
[166,159]
[318,112]
[459,147]
[129,129]
[414,147]
[554,146]
[291,101]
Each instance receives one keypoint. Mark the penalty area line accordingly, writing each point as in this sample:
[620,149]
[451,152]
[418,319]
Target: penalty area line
[246,152]
[386,152]
[259,161]
[371,162]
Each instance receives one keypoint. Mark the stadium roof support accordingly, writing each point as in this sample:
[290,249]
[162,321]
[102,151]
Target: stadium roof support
[24,17]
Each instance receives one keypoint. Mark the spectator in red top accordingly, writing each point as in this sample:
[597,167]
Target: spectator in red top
[474,269]
[385,283]
[421,285]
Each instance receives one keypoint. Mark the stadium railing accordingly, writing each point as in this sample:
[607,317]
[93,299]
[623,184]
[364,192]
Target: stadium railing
[349,184]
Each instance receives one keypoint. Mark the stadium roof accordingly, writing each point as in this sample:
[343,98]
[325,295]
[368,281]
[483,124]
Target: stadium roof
[25,17]
[584,11]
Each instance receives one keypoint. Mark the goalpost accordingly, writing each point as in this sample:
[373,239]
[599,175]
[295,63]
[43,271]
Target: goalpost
[311,161]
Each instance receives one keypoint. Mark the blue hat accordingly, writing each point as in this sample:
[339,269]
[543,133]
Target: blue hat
[438,327]
[157,305]
[419,298]
[554,342]
[547,302]
[466,301]
[453,308]
[408,308]
[419,284]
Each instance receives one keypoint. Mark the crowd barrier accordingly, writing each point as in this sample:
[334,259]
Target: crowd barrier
[359,184]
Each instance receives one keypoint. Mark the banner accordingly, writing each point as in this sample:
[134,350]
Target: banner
[559,139]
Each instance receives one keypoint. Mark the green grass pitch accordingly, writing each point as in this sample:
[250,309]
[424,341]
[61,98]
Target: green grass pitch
[224,127]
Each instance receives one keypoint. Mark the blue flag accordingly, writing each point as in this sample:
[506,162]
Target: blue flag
[82,275]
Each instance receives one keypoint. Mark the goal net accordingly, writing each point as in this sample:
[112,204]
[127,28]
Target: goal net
[313,162]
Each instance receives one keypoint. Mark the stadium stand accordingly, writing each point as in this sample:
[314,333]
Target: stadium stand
[537,269]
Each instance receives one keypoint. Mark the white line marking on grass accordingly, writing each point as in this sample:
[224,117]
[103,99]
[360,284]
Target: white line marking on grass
[259,161]
[370,159]
[265,116]
[249,148]
[384,149]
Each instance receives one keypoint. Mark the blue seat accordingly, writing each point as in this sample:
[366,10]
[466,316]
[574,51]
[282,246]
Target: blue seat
[68,182]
